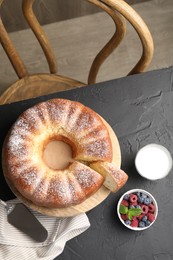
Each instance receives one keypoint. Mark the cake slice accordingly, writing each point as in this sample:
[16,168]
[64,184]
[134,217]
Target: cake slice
[114,177]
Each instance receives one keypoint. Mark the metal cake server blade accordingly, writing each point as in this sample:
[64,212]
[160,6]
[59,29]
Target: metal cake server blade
[20,217]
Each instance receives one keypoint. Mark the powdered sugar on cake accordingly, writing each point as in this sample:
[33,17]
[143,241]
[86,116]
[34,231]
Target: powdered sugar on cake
[24,152]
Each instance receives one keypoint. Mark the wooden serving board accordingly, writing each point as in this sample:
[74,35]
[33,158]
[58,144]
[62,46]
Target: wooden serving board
[85,206]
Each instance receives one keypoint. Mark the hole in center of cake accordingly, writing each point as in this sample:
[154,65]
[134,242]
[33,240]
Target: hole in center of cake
[57,155]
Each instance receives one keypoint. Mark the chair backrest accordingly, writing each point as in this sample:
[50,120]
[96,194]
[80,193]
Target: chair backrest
[119,12]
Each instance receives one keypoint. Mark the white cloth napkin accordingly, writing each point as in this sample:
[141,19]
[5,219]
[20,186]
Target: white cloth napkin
[16,245]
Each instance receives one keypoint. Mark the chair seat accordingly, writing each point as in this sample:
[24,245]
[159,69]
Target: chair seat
[36,85]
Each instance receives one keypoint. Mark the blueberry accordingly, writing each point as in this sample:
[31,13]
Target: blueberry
[137,193]
[140,199]
[141,224]
[126,197]
[127,222]
[131,207]
[151,200]
[143,195]
[147,223]
[147,201]
[144,219]
[138,206]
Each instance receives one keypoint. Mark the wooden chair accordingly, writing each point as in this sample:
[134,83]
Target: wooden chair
[28,85]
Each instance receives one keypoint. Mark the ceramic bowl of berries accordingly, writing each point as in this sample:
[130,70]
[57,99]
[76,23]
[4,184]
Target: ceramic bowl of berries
[137,209]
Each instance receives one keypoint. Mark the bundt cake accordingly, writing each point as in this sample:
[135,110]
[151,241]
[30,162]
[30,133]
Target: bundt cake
[114,177]
[23,149]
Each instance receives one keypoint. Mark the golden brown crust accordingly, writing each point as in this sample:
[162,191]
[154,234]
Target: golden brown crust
[114,177]
[56,119]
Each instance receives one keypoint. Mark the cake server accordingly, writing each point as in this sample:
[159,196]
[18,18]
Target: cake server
[20,217]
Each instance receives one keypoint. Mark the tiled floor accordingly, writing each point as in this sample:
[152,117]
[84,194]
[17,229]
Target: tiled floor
[77,41]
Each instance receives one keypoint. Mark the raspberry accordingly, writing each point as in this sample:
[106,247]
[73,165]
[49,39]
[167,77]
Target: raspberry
[134,203]
[134,223]
[144,209]
[124,216]
[134,217]
[151,217]
[141,216]
[133,198]
[125,203]
[151,208]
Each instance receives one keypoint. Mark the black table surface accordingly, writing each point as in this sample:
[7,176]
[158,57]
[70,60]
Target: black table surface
[140,110]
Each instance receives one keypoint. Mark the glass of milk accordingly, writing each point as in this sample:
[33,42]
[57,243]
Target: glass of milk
[153,162]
